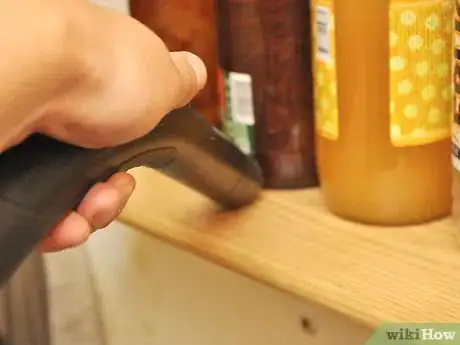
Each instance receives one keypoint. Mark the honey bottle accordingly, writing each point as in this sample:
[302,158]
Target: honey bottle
[383,99]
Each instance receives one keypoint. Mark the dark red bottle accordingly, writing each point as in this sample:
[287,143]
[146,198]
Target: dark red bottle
[187,25]
[267,81]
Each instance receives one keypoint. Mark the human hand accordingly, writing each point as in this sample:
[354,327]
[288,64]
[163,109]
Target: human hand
[125,82]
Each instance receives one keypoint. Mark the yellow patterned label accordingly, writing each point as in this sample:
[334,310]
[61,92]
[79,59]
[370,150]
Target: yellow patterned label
[421,95]
[325,89]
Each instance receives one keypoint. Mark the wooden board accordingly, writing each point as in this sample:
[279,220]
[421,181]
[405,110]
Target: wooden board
[290,241]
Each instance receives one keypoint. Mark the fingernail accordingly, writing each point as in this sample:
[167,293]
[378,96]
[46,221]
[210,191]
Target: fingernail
[199,67]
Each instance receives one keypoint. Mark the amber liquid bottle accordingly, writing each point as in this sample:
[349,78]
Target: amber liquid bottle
[383,72]
[267,86]
[191,26]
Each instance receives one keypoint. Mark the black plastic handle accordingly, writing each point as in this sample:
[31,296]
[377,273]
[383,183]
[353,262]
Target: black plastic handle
[42,179]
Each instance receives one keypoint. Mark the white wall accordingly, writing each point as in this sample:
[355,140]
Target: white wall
[119,5]
[152,293]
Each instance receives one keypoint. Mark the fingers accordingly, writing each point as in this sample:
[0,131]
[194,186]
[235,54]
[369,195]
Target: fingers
[191,76]
[71,232]
[105,200]
[99,208]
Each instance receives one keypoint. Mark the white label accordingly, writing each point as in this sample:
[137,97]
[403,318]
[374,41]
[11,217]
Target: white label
[455,163]
[241,100]
[323,33]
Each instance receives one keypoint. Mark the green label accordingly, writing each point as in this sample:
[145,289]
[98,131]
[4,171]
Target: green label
[416,334]
[238,110]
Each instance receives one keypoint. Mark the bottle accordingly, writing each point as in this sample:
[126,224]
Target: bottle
[267,98]
[456,119]
[383,97]
[190,26]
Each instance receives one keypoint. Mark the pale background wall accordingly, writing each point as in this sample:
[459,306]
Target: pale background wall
[119,5]
[123,288]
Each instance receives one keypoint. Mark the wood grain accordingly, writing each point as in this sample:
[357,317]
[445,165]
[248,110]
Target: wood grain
[290,241]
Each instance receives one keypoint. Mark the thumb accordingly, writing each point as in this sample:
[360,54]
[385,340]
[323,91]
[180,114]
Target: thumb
[192,76]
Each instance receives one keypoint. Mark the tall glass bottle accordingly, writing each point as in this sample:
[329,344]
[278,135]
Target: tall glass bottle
[383,100]
[187,25]
[266,77]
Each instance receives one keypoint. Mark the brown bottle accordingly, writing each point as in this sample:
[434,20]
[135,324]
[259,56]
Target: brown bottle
[267,81]
[187,25]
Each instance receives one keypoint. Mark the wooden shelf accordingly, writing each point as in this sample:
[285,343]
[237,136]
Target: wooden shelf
[289,241]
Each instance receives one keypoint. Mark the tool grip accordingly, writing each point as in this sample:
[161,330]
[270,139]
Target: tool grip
[42,179]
